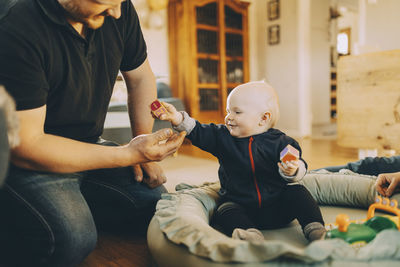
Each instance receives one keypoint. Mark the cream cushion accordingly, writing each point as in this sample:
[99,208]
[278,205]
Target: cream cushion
[180,228]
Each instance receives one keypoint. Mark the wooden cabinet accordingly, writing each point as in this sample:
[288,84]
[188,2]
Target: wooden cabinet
[208,45]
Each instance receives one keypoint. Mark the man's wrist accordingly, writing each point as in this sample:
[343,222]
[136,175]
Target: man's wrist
[126,156]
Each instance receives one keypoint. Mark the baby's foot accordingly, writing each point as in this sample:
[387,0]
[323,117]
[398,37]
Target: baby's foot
[314,231]
[251,235]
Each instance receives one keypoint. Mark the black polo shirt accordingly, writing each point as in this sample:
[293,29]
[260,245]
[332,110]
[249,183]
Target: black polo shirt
[44,61]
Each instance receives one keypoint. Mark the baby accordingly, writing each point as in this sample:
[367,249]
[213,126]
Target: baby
[257,190]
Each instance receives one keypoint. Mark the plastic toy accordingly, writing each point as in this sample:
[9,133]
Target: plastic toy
[359,233]
[157,108]
[289,153]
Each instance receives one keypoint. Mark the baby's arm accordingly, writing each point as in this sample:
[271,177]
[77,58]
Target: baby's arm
[204,136]
[291,167]
[292,171]
[180,121]
[171,115]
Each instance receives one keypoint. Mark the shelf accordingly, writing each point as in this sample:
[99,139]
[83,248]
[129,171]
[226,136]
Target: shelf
[207,27]
[233,85]
[236,58]
[208,85]
[231,30]
[208,56]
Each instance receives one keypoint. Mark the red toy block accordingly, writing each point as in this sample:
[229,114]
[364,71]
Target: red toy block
[157,108]
[289,153]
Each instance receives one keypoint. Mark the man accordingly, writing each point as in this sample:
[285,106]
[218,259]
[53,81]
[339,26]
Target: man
[59,60]
[386,168]
[8,131]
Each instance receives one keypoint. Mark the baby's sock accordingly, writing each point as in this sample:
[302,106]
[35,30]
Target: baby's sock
[251,234]
[314,231]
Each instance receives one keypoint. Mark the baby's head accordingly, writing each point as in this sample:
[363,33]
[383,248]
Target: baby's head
[252,108]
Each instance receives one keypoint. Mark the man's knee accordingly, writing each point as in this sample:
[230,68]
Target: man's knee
[156,193]
[45,235]
[74,239]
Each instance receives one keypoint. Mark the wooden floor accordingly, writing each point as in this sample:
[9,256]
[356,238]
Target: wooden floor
[124,251]
[119,251]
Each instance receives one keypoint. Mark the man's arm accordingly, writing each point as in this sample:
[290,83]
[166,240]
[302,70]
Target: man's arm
[141,85]
[142,91]
[40,151]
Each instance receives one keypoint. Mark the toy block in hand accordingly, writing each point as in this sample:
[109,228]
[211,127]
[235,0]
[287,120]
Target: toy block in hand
[157,108]
[289,153]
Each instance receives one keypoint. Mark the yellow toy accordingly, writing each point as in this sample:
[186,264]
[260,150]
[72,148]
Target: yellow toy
[360,232]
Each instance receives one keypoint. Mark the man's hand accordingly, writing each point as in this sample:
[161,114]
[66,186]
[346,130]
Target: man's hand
[172,115]
[149,173]
[154,147]
[289,168]
[388,183]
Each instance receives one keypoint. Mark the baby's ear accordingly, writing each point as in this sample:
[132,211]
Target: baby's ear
[265,119]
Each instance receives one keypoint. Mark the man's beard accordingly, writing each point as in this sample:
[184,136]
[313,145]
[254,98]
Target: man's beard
[76,14]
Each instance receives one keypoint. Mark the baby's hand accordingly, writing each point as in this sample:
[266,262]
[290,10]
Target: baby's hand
[171,115]
[289,168]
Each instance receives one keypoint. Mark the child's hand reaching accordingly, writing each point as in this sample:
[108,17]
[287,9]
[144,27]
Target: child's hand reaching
[289,168]
[172,114]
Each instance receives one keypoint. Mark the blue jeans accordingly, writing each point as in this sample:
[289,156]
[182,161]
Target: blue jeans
[51,219]
[371,165]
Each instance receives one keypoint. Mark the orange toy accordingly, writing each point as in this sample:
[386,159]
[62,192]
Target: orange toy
[289,153]
[157,108]
[358,233]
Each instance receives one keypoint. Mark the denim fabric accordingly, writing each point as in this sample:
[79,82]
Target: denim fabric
[51,219]
[371,165]
[4,147]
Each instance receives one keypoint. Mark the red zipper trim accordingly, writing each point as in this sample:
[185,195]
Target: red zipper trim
[253,168]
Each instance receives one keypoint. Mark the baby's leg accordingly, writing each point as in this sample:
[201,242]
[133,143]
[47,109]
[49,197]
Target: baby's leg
[234,221]
[299,202]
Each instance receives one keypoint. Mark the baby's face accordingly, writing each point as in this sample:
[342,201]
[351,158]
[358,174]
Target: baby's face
[243,115]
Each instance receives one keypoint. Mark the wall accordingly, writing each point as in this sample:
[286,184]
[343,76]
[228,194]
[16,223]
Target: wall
[157,47]
[281,64]
[381,24]
[320,62]
[156,37]
[299,66]
[288,66]
[257,40]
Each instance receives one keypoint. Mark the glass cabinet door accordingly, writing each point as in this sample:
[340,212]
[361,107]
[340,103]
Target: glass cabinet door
[208,53]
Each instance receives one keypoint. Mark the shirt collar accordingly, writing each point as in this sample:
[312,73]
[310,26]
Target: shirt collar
[53,10]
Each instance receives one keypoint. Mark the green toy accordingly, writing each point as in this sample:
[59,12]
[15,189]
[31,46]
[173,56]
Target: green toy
[359,233]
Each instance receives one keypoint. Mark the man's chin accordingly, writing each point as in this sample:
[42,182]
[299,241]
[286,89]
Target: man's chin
[94,23]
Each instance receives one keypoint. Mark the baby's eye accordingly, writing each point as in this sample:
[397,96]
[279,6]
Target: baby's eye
[238,112]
